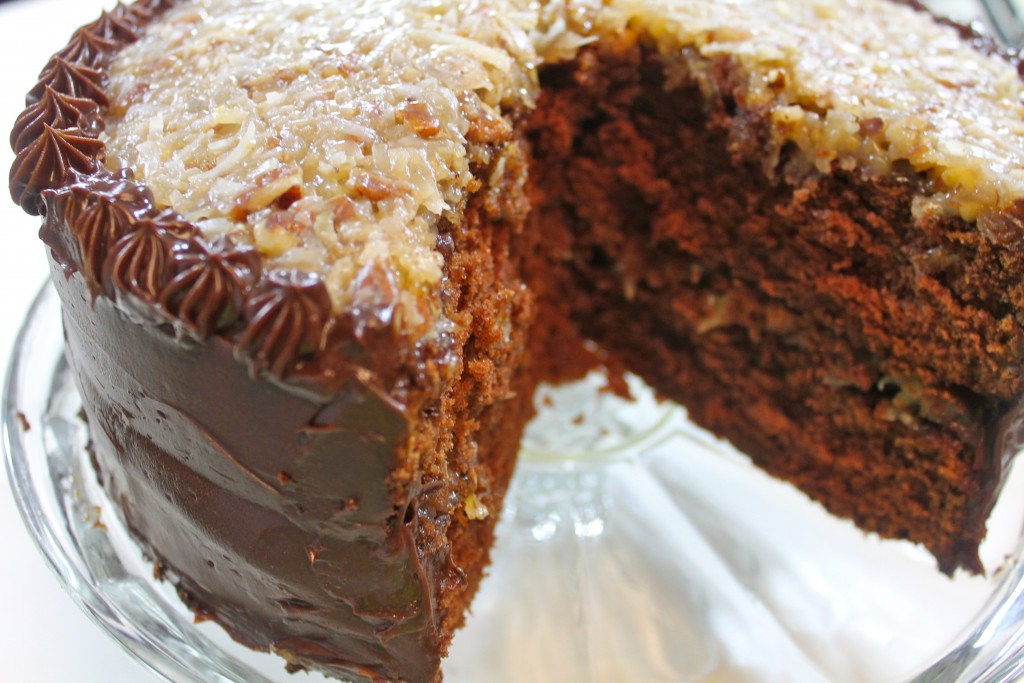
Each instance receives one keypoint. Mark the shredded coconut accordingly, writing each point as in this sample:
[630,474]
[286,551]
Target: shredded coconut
[333,135]
[330,135]
[860,83]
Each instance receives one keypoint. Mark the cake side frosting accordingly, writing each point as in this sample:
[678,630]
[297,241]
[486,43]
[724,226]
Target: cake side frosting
[291,548]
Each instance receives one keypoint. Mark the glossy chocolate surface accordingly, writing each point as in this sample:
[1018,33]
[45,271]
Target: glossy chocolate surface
[286,534]
[244,431]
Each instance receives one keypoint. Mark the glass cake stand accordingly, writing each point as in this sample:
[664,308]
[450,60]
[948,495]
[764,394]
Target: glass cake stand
[634,548]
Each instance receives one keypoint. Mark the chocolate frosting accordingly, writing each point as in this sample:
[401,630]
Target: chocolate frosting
[123,25]
[88,47]
[211,286]
[287,319]
[139,263]
[54,109]
[94,213]
[269,510]
[56,157]
[77,79]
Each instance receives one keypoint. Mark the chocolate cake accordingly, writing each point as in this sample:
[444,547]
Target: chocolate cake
[314,258]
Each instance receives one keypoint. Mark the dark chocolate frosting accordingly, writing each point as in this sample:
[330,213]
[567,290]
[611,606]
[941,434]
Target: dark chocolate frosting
[85,219]
[88,47]
[54,109]
[287,319]
[211,286]
[57,156]
[77,79]
[123,25]
[172,339]
[139,263]
[269,510]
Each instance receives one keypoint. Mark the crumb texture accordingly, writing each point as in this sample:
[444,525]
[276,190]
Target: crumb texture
[843,344]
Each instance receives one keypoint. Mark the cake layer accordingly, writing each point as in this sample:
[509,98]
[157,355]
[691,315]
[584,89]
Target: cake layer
[844,343]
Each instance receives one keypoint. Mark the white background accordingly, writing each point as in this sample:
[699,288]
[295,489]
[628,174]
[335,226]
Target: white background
[44,637]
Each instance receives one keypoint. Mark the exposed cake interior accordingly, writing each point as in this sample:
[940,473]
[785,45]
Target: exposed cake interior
[821,326]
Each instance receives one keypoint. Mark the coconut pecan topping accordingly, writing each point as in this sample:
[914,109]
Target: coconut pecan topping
[208,292]
[287,317]
[50,161]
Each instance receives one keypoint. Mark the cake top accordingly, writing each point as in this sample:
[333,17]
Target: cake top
[335,136]
[338,138]
[330,135]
